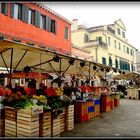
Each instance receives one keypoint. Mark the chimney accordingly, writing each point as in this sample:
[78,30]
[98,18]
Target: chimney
[75,25]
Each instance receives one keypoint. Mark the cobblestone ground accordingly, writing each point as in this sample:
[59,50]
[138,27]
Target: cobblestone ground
[123,121]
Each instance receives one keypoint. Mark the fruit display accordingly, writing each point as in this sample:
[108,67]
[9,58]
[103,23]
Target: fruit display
[59,91]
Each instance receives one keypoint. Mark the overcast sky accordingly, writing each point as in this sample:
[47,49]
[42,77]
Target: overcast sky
[95,14]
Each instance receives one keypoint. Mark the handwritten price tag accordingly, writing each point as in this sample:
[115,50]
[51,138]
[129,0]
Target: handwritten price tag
[37,110]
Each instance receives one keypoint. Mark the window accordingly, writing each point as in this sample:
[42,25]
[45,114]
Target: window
[31,18]
[118,31]
[127,50]
[109,41]
[53,26]
[85,38]
[4,8]
[103,60]
[115,44]
[119,46]
[66,33]
[131,52]
[42,22]
[17,11]
[124,48]
[132,67]
[123,34]
[99,39]
[116,63]
[110,61]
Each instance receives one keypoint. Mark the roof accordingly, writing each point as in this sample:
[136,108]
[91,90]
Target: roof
[45,7]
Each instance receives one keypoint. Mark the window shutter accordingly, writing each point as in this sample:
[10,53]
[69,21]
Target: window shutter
[47,23]
[37,19]
[55,27]
[6,8]
[25,11]
[12,10]
[0,7]
[85,38]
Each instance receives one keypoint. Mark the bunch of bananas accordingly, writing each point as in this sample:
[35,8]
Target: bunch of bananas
[59,91]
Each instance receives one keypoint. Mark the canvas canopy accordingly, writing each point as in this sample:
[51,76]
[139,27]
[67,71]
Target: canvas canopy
[128,76]
[17,56]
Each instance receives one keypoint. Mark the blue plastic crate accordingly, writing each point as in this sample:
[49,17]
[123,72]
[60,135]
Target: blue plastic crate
[96,102]
[91,109]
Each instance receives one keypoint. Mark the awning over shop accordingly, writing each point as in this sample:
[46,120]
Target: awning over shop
[20,56]
[128,76]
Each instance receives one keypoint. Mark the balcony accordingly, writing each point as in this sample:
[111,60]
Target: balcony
[111,30]
[91,43]
[94,43]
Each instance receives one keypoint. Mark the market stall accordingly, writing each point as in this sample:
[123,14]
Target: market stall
[132,85]
[52,109]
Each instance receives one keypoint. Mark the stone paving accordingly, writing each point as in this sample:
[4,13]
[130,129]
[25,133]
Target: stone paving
[123,121]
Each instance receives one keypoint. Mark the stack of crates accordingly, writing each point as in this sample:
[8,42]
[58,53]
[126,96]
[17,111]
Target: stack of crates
[105,103]
[2,123]
[97,107]
[81,111]
[45,124]
[62,120]
[117,100]
[69,117]
[10,122]
[90,109]
[111,101]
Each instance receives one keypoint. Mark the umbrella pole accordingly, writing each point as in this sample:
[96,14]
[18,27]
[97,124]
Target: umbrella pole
[59,82]
[11,63]
[89,74]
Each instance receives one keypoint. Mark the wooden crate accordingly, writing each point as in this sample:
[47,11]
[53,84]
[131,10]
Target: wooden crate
[112,104]
[69,117]
[97,110]
[62,120]
[2,127]
[10,122]
[27,124]
[45,124]
[55,126]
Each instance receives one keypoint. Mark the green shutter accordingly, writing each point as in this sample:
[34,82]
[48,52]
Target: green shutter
[25,12]
[55,27]
[12,10]
[0,7]
[6,8]
[47,23]
[37,19]
[110,61]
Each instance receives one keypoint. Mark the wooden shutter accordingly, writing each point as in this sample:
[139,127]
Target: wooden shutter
[25,12]
[55,26]
[47,23]
[12,10]
[6,8]
[37,19]
[0,7]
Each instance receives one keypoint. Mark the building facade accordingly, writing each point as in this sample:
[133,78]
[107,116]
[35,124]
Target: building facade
[138,60]
[35,24]
[107,43]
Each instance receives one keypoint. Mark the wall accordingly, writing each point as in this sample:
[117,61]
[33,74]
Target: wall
[19,28]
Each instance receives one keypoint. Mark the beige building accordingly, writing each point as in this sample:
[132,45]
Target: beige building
[138,60]
[107,44]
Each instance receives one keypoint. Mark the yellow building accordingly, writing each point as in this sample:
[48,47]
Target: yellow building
[107,43]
